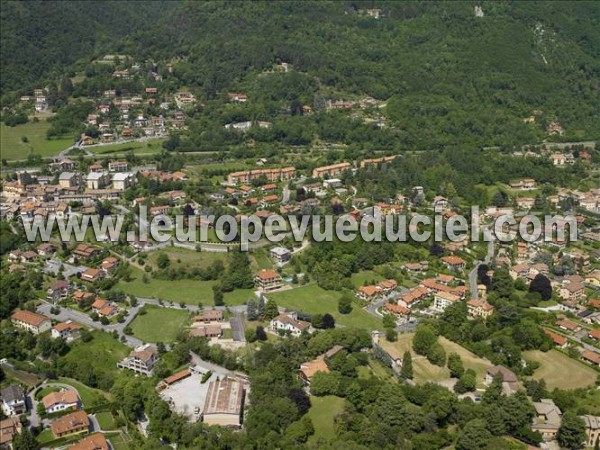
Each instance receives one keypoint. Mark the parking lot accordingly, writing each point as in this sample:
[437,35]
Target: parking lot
[187,396]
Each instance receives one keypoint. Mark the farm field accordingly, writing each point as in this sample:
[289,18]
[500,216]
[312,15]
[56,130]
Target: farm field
[149,147]
[159,324]
[554,366]
[312,299]
[12,147]
[322,413]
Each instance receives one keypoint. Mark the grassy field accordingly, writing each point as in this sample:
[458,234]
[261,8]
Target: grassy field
[312,299]
[12,146]
[151,146]
[359,279]
[181,257]
[322,413]
[102,351]
[106,421]
[190,292]
[159,324]
[560,371]
[470,360]
[425,371]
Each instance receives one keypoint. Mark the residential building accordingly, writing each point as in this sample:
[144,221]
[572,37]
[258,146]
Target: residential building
[213,330]
[9,428]
[331,171]
[74,423]
[268,279]
[547,419]
[33,322]
[558,340]
[97,180]
[95,441]
[289,323]
[280,254]
[86,251]
[567,325]
[309,368]
[61,401]
[141,360]
[61,289]
[510,383]
[117,166]
[441,300]
[104,308]
[401,312]
[213,315]
[479,308]
[592,429]
[91,275]
[454,263]
[274,174]
[69,179]
[13,400]
[68,330]
[224,403]
[412,297]
[591,357]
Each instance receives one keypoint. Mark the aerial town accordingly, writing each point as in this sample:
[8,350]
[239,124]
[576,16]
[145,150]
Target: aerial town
[112,343]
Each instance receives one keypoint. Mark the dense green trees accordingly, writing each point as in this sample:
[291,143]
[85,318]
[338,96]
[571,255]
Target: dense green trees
[571,433]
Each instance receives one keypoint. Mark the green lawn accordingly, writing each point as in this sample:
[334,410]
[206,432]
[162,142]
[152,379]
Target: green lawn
[560,371]
[359,279]
[159,324]
[12,146]
[312,299]
[106,421]
[45,436]
[45,391]
[102,351]
[322,413]
[189,292]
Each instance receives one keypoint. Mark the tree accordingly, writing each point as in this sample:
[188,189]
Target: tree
[328,321]
[407,369]
[571,433]
[391,335]
[25,441]
[261,335]
[260,309]
[437,355]
[271,310]
[455,365]
[423,340]
[218,295]
[466,383]
[474,436]
[251,310]
[163,261]
[345,304]
[541,284]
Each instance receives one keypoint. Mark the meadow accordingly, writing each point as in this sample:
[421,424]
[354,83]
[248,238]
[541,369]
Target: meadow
[12,146]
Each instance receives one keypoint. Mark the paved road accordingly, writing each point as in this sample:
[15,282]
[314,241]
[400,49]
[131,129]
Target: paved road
[53,265]
[237,327]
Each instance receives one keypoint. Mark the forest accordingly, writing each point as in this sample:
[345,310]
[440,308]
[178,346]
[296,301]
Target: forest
[445,76]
